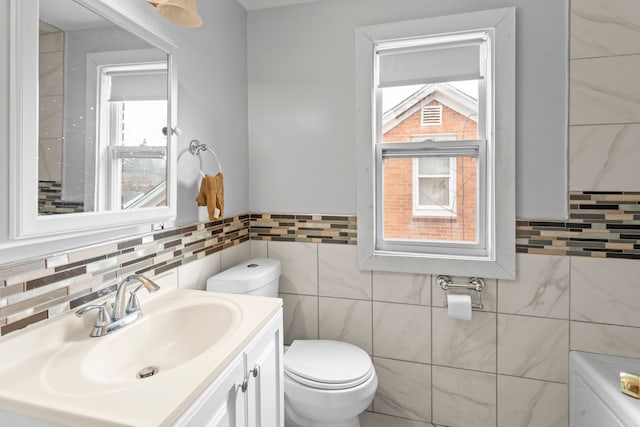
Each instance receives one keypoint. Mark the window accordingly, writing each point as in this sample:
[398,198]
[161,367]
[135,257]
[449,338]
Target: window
[434,189]
[137,153]
[429,104]
[133,148]
[451,70]
[434,186]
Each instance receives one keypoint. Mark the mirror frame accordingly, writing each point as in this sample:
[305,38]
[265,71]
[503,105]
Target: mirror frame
[25,222]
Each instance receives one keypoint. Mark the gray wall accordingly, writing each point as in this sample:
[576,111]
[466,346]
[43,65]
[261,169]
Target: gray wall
[212,102]
[302,101]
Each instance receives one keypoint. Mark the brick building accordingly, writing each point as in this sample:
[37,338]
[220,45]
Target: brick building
[431,198]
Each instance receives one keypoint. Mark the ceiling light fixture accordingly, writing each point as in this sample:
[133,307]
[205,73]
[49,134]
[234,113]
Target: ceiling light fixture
[180,12]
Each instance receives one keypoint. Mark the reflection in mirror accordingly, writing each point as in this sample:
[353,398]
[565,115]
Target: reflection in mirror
[103,101]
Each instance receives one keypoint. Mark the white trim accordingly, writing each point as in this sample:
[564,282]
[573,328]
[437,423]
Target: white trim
[25,221]
[498,171]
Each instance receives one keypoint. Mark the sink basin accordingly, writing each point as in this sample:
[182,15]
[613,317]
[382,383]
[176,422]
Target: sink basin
[57,372]
[162,341]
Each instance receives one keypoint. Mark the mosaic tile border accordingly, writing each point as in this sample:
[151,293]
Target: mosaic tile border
[304,228]
[50,199]
[600,225]
[35,290]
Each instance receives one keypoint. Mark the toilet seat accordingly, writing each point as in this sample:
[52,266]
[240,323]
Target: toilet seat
[327,365]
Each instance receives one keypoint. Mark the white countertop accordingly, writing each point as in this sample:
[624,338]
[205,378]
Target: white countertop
[26,378]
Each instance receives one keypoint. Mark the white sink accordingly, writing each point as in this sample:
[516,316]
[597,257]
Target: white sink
[162,340]
[58,373]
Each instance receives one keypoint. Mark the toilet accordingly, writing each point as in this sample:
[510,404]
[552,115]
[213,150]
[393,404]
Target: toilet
[326,383]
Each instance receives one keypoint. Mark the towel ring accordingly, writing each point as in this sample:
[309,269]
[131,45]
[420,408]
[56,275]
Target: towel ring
[196,147]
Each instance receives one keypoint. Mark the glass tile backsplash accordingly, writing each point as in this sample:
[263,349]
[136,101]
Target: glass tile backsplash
[601,224]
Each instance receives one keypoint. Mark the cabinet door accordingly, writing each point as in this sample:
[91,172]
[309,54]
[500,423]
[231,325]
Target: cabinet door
[222,404]
[264,369]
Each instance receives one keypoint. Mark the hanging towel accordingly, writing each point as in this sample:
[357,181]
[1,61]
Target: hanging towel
[211,195]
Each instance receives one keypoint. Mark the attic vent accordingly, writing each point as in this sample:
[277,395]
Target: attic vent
[432,115]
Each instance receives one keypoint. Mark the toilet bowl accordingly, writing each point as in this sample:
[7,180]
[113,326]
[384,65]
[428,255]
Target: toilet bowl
[326,383]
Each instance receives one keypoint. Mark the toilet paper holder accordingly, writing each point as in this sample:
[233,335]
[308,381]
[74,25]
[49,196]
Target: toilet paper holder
[474,284]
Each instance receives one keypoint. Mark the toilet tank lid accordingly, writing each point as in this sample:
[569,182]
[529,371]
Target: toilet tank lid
[246,276]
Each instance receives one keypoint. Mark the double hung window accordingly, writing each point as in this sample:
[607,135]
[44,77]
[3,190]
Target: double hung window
[444,71]
[133,147]
[427,124]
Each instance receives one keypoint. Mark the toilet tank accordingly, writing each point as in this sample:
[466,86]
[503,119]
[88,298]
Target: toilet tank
[595,399]
[258,276]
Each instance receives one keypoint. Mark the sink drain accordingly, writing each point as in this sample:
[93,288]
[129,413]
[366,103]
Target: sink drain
[147,372]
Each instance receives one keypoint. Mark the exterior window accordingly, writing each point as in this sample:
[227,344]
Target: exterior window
[434,186]
[434,189]
[427,122]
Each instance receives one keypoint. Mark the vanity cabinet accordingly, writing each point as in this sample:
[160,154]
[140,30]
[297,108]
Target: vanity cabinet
[250,391]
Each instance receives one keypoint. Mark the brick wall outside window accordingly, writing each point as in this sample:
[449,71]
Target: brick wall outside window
[399,218]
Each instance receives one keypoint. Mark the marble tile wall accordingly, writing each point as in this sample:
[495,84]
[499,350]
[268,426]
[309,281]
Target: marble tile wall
[605,95]
[51,92]
[507,367]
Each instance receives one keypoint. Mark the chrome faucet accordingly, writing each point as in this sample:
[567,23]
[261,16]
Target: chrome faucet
[122,314]
[119,308]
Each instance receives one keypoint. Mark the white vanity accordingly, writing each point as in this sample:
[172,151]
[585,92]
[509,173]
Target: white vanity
[218,360]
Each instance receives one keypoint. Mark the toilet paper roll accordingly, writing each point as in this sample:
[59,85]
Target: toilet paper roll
[459,306]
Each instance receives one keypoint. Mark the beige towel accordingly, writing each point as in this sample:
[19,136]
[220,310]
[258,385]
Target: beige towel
[211,195]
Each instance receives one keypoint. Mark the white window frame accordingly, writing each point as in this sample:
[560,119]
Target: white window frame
[491,256]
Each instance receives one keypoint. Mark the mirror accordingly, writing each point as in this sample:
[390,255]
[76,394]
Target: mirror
[100,91]
[102,106]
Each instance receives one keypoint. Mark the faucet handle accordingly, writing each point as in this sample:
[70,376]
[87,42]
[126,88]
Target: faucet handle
[134,303]
[102,319]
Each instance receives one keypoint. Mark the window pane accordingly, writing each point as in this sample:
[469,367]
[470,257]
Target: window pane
[433,192]
[143,183]
[142,123]
[439,111]
[442,208]
[433,165]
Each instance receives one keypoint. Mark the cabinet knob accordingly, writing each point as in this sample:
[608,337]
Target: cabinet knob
[255,371]
[244,385]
